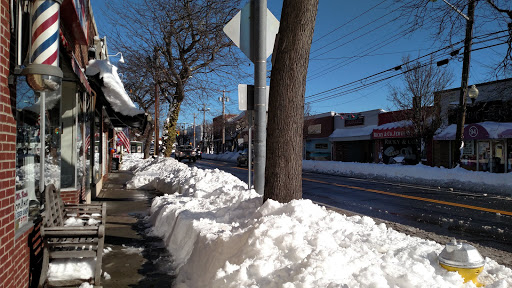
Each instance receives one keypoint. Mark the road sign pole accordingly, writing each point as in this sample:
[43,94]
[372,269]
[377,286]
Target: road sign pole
[259,28]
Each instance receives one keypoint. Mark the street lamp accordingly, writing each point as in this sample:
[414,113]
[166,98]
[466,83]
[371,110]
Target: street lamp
[473,93]
[121,60]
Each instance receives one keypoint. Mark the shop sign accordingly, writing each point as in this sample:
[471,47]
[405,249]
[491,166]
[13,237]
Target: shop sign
[354,122]
[315,129]
[21,206]
[391,133]
[469,148]
[475,131]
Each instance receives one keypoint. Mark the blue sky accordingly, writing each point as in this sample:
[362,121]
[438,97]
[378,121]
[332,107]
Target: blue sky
[348,48]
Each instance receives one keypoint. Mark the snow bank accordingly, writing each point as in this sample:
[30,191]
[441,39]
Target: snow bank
[415,174]
[221,236]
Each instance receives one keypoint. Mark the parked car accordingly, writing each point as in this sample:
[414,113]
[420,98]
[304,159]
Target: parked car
[242,159]
[199,154]
[185,152]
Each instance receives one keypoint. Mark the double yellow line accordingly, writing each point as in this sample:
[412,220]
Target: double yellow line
[414,197]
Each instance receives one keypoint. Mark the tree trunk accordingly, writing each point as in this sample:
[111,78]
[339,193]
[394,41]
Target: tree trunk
[170,127]
[147,139]
[283,173]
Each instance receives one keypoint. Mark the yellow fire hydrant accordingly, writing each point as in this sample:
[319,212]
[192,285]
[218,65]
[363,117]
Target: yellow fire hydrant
[464,259]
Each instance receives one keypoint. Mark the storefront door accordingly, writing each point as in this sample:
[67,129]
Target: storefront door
[498,159]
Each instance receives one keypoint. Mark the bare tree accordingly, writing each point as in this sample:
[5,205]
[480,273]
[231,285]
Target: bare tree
[138,82]
[192,52]
[283,179]
[415,97]
[491,16]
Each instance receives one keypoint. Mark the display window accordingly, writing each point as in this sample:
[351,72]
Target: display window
[38,154]
[484,156]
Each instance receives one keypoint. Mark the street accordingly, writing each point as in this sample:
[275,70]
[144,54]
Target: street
[478,218]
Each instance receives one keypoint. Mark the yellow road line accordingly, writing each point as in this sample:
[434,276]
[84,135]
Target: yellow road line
[414,197]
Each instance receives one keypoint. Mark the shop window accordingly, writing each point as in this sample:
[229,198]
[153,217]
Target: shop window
[28,153]
[468,159]
[69,136]
[84,145]
[498,157]
[484,156]
[37,148]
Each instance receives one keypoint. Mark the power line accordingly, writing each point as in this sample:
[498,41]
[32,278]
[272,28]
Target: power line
[349,21]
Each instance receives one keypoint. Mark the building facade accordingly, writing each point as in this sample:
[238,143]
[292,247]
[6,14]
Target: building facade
[487,133]
[317,129]
[56,124]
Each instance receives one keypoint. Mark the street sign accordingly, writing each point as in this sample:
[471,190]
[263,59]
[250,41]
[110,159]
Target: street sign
[246,97]
[238,30]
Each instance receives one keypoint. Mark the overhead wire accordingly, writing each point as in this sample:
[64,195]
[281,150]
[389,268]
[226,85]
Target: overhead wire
[334,92]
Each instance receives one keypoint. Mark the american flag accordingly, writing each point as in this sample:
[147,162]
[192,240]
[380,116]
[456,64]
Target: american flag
[124,140]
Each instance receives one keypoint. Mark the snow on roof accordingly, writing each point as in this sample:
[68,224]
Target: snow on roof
[346,133]
[113,88]
[397,124]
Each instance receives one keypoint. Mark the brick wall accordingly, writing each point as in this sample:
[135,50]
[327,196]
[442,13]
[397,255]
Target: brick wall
[70,197]
[14,251]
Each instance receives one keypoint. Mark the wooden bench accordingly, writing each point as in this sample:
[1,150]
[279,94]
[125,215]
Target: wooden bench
[65,242]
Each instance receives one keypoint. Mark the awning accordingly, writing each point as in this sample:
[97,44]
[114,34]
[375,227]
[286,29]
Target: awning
[352,134]
[505,134]
[399,129]
[477,131]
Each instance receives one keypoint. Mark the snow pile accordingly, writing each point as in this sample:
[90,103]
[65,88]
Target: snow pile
[221,236]
[113,87]
[416,174]
[65,269]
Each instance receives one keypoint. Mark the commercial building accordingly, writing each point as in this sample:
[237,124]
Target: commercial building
[488,129]
[56,124]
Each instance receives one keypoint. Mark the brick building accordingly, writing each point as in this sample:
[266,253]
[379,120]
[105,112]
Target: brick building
[55,122]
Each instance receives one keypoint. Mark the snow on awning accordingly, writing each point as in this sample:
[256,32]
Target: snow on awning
[399,129]
[352,134]
[476,131]
[113,88]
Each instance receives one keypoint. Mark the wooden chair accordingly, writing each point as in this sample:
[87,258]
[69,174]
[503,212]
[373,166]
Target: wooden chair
[64,242]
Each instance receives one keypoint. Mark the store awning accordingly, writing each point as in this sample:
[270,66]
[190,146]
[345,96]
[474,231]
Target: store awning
[399,129]
[505,134]
[352,134]
[477,131]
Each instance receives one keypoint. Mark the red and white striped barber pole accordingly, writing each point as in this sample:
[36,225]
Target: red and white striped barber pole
[43,72]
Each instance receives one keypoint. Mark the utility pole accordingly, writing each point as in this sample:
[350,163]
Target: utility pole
[157,63]
[461,115]
[194,127]
[224,99]
[259,42]
[204,109]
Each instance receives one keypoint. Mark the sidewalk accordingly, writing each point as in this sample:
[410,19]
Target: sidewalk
[135,259]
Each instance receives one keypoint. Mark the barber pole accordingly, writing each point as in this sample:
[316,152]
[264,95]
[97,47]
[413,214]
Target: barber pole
[43,72]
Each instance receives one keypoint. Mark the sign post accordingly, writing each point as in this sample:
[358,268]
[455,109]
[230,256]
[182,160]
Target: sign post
[254,30]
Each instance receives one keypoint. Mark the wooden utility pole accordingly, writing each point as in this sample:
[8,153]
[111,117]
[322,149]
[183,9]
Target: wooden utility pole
[194,127]
[283,174]
[224,99]
[204,109]
[157,62]
[461,115]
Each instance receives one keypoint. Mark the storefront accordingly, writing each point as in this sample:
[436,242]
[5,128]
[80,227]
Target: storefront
[487,146]
[395,144]
[317,129]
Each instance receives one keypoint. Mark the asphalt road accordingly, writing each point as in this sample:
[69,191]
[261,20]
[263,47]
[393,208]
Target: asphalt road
[479,218]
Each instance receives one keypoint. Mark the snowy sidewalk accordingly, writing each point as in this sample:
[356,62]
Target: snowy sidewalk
[133,258]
